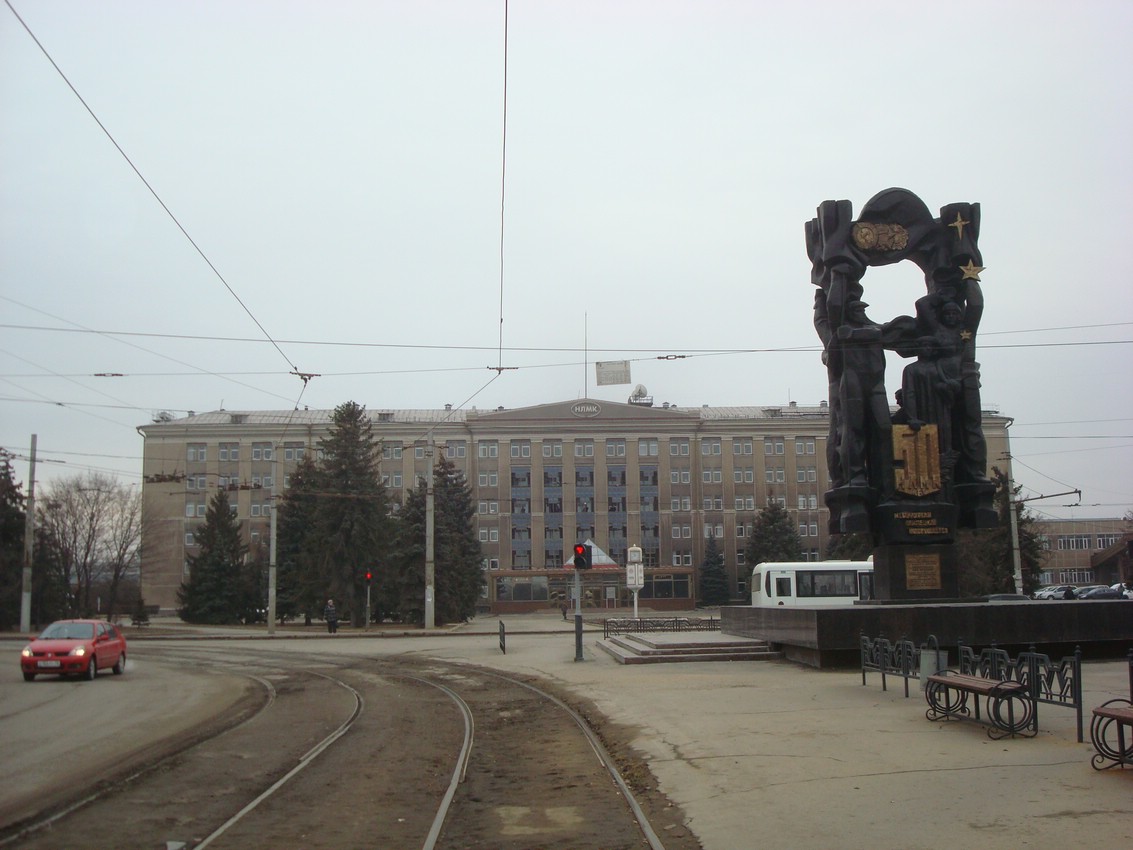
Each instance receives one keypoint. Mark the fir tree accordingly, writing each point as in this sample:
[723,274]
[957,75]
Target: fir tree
[351,514]
[985,561]
[773,537]
[458,578]
[300,581]
[713,579]
[855,546]
[215,590]
[12,527]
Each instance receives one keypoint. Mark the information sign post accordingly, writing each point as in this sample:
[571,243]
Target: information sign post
[635,574]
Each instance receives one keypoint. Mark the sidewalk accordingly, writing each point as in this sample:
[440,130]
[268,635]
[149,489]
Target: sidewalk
[775,755]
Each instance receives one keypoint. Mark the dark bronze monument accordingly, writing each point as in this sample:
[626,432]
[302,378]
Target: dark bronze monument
[909,479]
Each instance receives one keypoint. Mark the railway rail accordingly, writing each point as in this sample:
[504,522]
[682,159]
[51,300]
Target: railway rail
[360,752]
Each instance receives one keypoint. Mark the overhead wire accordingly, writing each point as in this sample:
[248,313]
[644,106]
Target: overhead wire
[146,183]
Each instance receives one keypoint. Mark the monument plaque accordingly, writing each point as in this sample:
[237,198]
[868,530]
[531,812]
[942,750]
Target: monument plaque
[922,572]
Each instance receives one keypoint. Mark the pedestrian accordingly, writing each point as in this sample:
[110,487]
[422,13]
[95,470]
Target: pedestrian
[330,614]
[563,608]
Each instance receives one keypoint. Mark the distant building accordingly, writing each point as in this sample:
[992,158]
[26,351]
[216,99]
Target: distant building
[1073,547]
[665,478]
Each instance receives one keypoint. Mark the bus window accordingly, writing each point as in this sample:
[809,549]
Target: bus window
[783,586]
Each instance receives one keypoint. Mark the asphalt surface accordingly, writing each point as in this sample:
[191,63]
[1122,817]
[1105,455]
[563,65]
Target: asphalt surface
[774,755]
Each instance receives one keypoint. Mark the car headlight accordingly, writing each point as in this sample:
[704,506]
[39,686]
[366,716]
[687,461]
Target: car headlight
[78,650]
[26,653]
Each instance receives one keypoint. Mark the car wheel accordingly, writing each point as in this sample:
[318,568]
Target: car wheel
[120,667]
[92,668]
[29,677]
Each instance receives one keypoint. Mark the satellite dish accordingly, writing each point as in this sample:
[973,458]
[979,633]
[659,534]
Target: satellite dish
[639,391]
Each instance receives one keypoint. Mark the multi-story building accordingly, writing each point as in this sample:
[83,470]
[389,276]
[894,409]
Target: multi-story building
[620,474]
[1071,544]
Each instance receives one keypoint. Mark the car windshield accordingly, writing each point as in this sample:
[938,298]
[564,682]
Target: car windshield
[68,631]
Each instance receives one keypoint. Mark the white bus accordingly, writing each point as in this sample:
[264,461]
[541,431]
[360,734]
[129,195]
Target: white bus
[806,584]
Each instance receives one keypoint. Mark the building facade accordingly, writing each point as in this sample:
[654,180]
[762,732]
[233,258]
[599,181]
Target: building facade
[544,477]
[1072,547]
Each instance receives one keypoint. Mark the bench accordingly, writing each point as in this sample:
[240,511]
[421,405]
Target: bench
[1010,707]
[1108,730]
[1107,733]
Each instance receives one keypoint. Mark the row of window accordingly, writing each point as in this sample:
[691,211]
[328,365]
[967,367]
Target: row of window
[228,452]
[1086,541]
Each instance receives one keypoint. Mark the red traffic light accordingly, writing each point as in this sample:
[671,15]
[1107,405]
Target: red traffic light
[582,560]
[369,576]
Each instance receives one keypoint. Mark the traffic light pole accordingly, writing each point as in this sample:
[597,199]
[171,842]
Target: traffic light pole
[578,616]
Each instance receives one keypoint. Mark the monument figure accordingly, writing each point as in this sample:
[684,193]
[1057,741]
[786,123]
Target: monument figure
[914,476]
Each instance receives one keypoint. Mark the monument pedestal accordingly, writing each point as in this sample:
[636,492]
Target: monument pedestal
[915,573]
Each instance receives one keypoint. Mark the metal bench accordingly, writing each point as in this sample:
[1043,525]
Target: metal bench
[1010,707]
[1108,730]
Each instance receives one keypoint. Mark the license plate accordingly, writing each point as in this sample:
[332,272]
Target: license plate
[48,664]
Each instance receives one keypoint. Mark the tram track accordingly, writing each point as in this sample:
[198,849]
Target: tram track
[413,753]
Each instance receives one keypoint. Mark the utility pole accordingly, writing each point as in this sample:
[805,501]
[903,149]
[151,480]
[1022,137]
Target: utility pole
[29,545]
[272,537]
[430,548]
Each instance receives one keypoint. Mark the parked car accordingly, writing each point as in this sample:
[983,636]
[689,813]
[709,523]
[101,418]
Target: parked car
[75,648]
[1100,592]
[1053,591]
[1124,589]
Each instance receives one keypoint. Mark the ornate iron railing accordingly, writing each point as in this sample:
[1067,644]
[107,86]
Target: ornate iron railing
[627,625]
[1049,682]
[896,658]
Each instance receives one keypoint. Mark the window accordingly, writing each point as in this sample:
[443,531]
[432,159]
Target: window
[708,504]
[741,560]
[198,453]
[739,504]
[713,530]
[617,504]
[769,475]
[489,479]
[553,532]
[814,529]
[584,448]
[741,529]
[1107,540]
[675,505]
[584,505]
[261,451]
[520,477]
[584,476]
[676,532]
[454,450]
[553,476]
[189,540]
[521,506]
[686,503]
[615,448]
[812,502]
[780,476]
[190,510]
[649,503]
[483,535]
[802,529]
[488,448]
[802,503]
[648,476]
[773,446]
[521,448]
[678,448]
[229,451]
[552,448]
[616,476]
[553,505]
[647,448]
[675,477]
[710,447]
[686,476]
[1075,541]
[741,447]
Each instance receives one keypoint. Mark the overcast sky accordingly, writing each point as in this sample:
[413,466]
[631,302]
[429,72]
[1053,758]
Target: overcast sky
[341,167]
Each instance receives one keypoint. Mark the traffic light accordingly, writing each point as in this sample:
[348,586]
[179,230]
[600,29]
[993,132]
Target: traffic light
[582,560]
[369,577]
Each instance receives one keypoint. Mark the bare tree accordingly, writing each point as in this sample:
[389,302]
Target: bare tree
[94,522]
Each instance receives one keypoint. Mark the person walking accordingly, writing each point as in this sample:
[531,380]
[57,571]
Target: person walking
[330,614]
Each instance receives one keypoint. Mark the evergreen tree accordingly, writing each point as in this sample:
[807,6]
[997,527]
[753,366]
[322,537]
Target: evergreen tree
[352,524]
[713,579]
[215,592]
[985,559]
[854,546]
[773,537]
[12,527]
[300,581]
[458,578]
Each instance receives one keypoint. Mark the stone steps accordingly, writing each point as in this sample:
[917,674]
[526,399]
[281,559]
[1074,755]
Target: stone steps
[675,648]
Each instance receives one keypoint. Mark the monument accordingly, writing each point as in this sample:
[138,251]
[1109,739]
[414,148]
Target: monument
[909,479]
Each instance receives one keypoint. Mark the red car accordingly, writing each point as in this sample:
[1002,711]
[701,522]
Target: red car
[75,648]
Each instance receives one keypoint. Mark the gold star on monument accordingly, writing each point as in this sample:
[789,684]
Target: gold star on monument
[971,271]
[959,225]
[965,336]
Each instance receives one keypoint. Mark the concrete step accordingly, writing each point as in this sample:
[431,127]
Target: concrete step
[654,649]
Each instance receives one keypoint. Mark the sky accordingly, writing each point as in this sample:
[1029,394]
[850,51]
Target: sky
[471,202]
